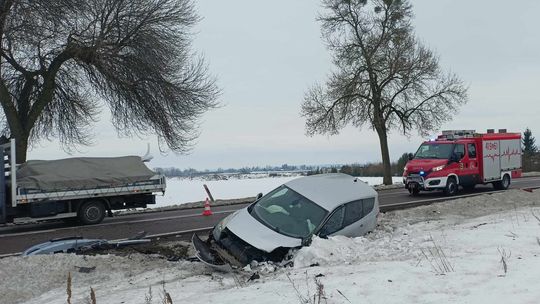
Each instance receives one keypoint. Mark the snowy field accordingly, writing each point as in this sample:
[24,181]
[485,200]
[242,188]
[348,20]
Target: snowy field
[180,191]
[484,249]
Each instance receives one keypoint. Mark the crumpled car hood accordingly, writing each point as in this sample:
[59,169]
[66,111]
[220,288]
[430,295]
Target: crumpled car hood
[258,235]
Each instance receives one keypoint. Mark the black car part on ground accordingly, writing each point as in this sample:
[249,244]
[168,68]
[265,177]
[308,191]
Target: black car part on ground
[204,251]
[207,255]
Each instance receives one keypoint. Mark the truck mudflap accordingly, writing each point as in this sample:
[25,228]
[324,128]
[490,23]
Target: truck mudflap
[208,256]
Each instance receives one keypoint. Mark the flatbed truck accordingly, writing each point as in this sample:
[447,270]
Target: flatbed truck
[84,189]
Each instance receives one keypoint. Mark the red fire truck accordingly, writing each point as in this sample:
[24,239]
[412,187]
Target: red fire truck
[464,158]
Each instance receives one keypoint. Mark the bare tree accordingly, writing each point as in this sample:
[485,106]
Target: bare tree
[61,60]
[383,77]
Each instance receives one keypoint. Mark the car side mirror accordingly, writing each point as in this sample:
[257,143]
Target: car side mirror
[454,158]
[307,240]
[410,156]
[323,236]
[259,196]
[323,233]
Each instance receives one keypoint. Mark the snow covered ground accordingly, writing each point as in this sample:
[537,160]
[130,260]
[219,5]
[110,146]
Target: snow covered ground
[184,190]
[483,249]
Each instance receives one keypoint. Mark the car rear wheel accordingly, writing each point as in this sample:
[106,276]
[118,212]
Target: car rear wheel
[92,212]
[451,187]
[502,184]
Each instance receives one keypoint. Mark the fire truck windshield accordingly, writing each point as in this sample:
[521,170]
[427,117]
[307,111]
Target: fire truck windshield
[434,150]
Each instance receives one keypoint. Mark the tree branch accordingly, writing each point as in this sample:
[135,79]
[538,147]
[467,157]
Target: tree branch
[47,92]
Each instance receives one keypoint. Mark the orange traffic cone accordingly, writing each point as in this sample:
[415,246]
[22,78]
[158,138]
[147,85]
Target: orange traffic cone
[207,210]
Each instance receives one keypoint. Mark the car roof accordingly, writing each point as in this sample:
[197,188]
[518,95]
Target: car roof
[332,189]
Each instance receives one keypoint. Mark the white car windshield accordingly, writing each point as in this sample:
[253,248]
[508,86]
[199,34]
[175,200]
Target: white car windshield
[288,212]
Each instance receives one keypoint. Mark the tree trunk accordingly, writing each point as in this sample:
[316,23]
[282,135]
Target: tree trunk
[21,146]
[387,169]
[380,126]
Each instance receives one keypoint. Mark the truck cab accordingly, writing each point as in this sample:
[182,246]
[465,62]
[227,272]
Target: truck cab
[464,158]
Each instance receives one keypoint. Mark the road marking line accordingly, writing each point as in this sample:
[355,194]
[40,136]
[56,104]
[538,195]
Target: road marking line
[519,180]
[447,198]
[9,254]
[111,224]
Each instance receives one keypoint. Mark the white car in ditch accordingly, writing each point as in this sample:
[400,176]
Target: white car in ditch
[287,217]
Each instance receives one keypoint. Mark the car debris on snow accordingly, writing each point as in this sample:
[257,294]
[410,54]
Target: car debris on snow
[78,244]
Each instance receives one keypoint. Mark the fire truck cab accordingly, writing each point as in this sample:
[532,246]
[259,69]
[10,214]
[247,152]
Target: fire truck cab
[464,158]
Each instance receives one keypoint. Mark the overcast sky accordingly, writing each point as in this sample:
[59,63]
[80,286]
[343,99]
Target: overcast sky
[265,54]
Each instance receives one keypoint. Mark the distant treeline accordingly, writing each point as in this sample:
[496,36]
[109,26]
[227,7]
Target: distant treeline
[190,172]
[531,162]
[531,153]
[368,169]
[375,169]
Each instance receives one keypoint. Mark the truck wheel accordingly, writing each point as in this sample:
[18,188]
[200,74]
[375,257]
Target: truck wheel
[502,184]
[451,187]
[91,212]
[414,191]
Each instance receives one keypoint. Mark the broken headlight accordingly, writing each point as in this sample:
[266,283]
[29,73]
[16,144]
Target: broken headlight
[221,225]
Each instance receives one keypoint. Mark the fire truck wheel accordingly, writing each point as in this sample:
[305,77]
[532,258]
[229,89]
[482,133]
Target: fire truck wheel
[414,191]
[91,212]
[451,187]
[502,184]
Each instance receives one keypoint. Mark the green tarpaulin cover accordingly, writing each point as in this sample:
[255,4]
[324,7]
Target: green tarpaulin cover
[82,173]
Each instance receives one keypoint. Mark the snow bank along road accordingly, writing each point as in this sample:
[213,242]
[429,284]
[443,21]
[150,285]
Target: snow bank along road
[481,249]
[181,223]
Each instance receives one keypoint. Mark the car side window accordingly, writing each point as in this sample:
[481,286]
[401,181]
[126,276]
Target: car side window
[353,212]
[472,150]
[460,150]
[334,223]
[368,205]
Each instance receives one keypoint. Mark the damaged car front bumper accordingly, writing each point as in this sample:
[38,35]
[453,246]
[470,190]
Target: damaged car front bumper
[207,255]
[229,251]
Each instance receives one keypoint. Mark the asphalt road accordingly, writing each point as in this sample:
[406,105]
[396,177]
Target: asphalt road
[180,223]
